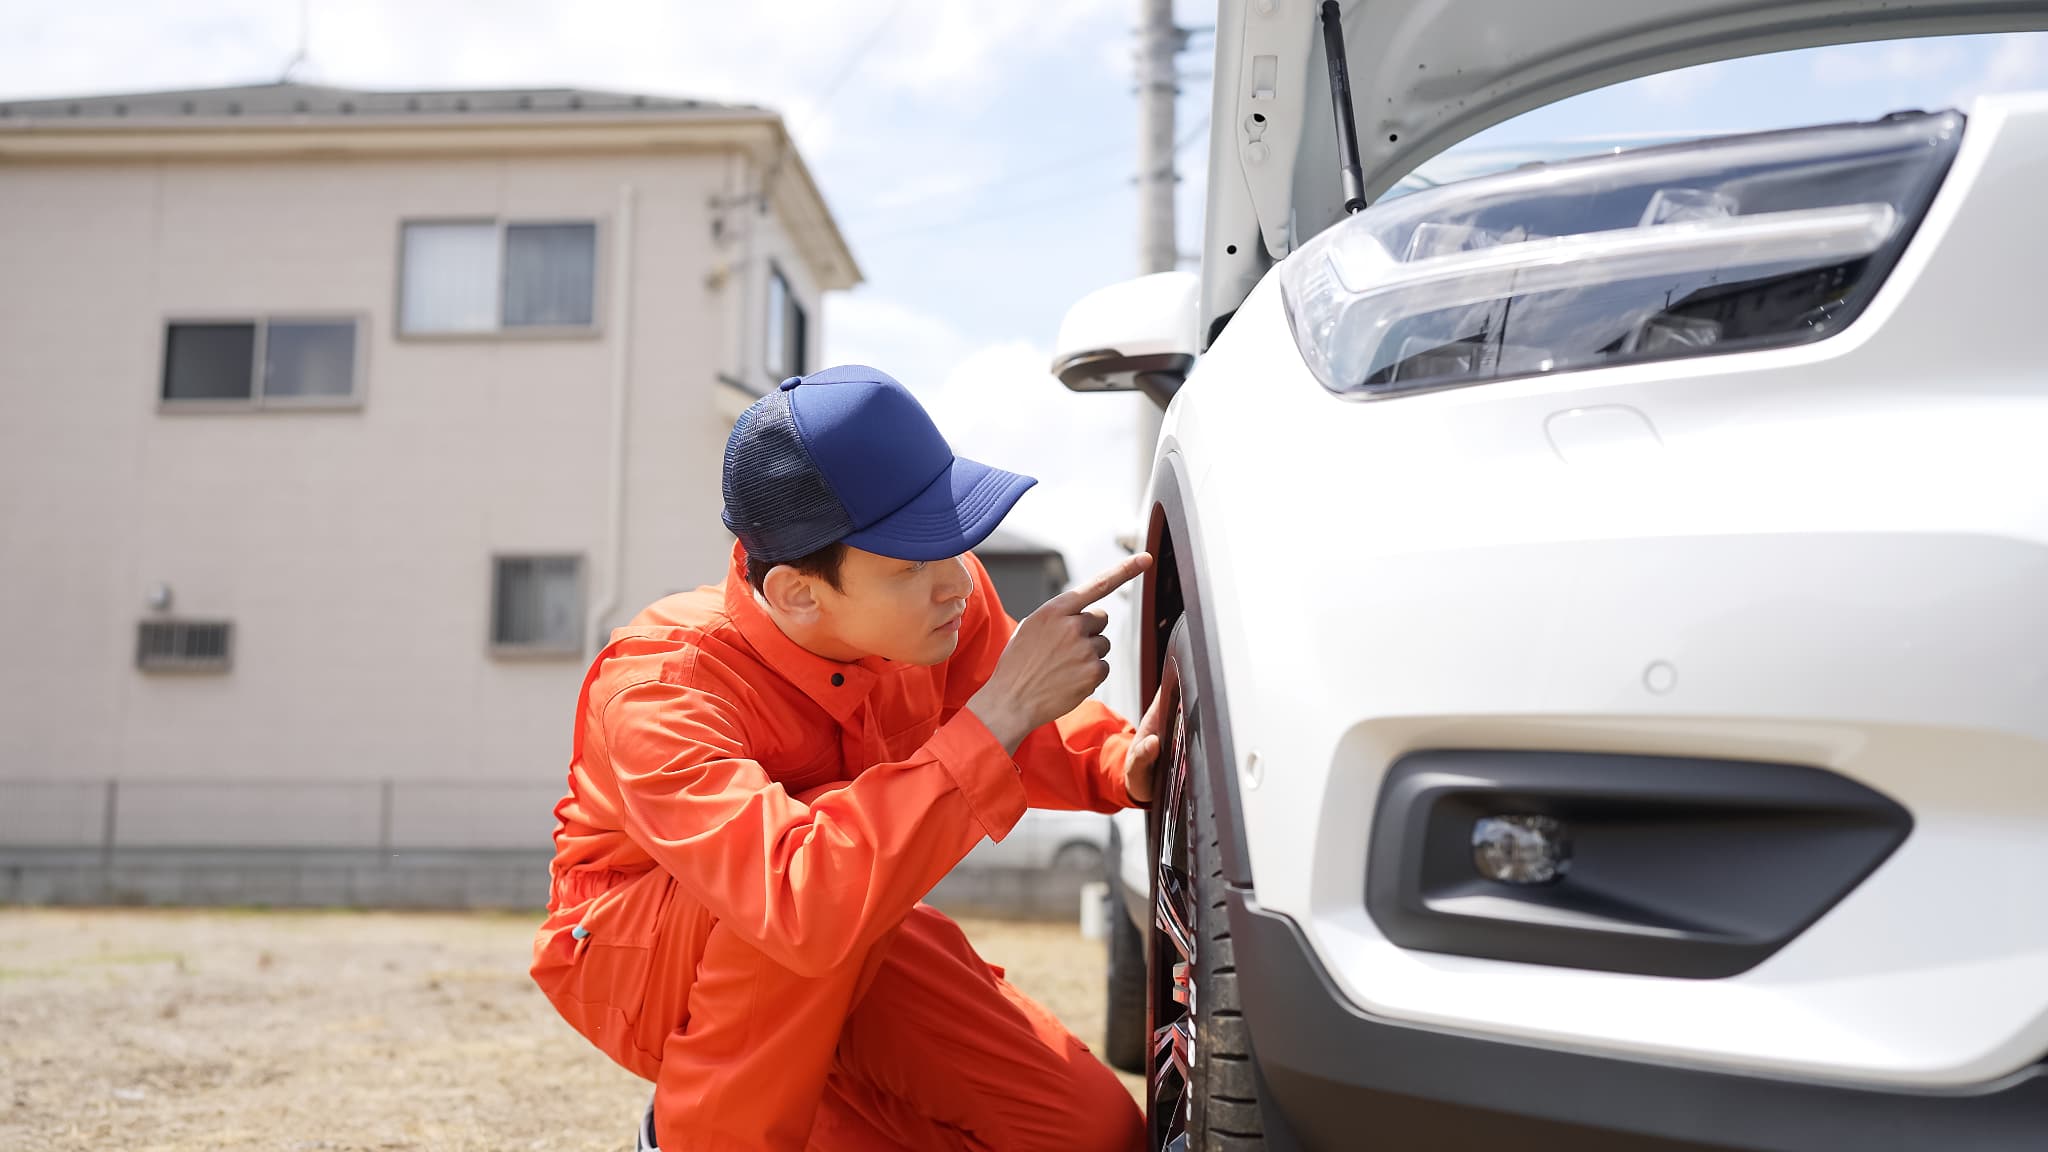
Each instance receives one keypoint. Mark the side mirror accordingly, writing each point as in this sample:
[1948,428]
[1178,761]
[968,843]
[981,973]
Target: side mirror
[1137,336]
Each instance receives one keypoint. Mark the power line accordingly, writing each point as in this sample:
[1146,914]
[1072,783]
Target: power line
[1193,134]
[846,71]
[1062,167]
[1046,171]
[853,62]
[1018,180]
[1065,196]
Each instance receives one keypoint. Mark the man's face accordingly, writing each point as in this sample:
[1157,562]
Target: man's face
[902,610]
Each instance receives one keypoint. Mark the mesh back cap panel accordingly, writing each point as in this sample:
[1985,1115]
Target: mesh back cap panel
[776,499]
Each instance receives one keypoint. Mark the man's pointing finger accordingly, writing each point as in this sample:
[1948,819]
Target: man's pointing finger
[1115,577]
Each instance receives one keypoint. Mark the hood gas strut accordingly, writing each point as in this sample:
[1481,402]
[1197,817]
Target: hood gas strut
[1340,94]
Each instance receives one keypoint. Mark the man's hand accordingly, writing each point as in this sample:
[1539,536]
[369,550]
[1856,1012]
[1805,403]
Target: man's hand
[1054,661]
[1143,758]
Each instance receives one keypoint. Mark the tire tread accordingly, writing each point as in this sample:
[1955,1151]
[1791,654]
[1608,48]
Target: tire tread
[1225,1085]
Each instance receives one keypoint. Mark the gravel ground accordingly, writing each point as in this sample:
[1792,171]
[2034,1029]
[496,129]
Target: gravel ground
[206,1030]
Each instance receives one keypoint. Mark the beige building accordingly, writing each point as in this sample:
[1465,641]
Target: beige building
[335,429]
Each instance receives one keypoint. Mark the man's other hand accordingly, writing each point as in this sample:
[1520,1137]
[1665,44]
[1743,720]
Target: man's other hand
[1142,761]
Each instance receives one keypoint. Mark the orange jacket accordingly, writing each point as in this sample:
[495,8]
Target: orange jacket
[804,803]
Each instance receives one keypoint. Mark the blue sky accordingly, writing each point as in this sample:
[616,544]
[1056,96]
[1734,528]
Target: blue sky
[978,155]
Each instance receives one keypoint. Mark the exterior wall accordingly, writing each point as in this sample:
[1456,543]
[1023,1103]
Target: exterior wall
[351,548]
[773,247]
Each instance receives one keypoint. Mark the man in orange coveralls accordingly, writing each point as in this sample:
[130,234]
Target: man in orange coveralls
[768,776]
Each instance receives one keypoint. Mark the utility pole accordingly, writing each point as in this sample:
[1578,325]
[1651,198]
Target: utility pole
[1159,42]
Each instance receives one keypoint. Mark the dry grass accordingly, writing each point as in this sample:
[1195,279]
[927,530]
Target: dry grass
[203,1030]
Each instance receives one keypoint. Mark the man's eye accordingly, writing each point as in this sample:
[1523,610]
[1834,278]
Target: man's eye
[918,566]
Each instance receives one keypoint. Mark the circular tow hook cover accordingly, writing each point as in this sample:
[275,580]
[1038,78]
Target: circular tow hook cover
[1521,849]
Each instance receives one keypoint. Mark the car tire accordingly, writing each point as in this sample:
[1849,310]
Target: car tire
[1123,1041]
[1201,1076]
[1077,858]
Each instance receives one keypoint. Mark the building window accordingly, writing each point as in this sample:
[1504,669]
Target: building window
[537,605]
[184,646]
[260,362]
[491,276]
[788,329]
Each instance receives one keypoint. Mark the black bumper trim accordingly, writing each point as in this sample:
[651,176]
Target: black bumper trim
[1337,1078]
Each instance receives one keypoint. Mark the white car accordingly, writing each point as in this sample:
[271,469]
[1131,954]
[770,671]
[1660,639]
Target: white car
[1605,605]
[1048,839]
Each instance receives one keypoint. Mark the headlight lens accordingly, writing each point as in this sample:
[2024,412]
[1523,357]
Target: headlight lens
[1725,245]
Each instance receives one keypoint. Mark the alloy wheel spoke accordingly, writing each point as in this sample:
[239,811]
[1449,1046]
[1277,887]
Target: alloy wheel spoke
[1175,1045]
[1174,943]
[1171,1050]
[1174,905]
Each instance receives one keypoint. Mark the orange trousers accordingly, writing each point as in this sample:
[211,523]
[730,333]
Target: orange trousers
[915,1044]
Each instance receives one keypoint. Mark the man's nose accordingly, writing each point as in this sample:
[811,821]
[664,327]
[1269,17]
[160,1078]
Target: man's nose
[959,581]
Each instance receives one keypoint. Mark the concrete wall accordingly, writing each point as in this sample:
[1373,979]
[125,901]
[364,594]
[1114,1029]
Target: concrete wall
[326,878]
[291,878]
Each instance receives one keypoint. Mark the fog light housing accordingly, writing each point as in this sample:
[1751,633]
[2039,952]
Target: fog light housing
[1521,849]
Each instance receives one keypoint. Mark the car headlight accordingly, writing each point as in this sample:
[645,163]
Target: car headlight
[1724,245]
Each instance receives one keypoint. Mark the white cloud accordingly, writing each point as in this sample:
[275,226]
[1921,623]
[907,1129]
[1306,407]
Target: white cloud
[127,46]
[782,55]
[1681,87]
[955,44]
[2018,64]
[940,187]
[632,45]
[1888,61]
[867,327]
[1117,56]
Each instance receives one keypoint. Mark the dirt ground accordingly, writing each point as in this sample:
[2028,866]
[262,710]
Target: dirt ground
[182,1031]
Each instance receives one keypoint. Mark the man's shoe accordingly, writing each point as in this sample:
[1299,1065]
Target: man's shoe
[645,1141]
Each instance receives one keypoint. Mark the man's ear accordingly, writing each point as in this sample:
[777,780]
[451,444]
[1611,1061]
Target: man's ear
[791,594]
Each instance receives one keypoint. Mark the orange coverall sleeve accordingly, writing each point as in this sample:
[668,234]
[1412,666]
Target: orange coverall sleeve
[1075,762]
[810,885]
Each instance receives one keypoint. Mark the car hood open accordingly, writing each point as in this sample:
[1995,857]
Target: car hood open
[1426,74]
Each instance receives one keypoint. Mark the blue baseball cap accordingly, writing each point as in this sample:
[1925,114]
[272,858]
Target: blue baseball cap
[848,455]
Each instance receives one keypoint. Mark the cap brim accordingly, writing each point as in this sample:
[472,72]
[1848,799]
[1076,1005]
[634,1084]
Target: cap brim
[951,516]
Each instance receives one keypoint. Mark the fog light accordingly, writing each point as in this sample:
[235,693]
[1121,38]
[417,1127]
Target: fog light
[1521,849]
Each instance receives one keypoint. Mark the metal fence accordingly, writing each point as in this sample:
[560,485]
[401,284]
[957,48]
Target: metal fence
[340,843]
[385,815]
[382,842]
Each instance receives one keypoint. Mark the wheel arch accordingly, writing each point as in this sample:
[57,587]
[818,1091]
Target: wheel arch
[1079,844]
[1176,589]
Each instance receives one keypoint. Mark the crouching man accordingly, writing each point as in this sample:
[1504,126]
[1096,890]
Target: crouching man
[769,775]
